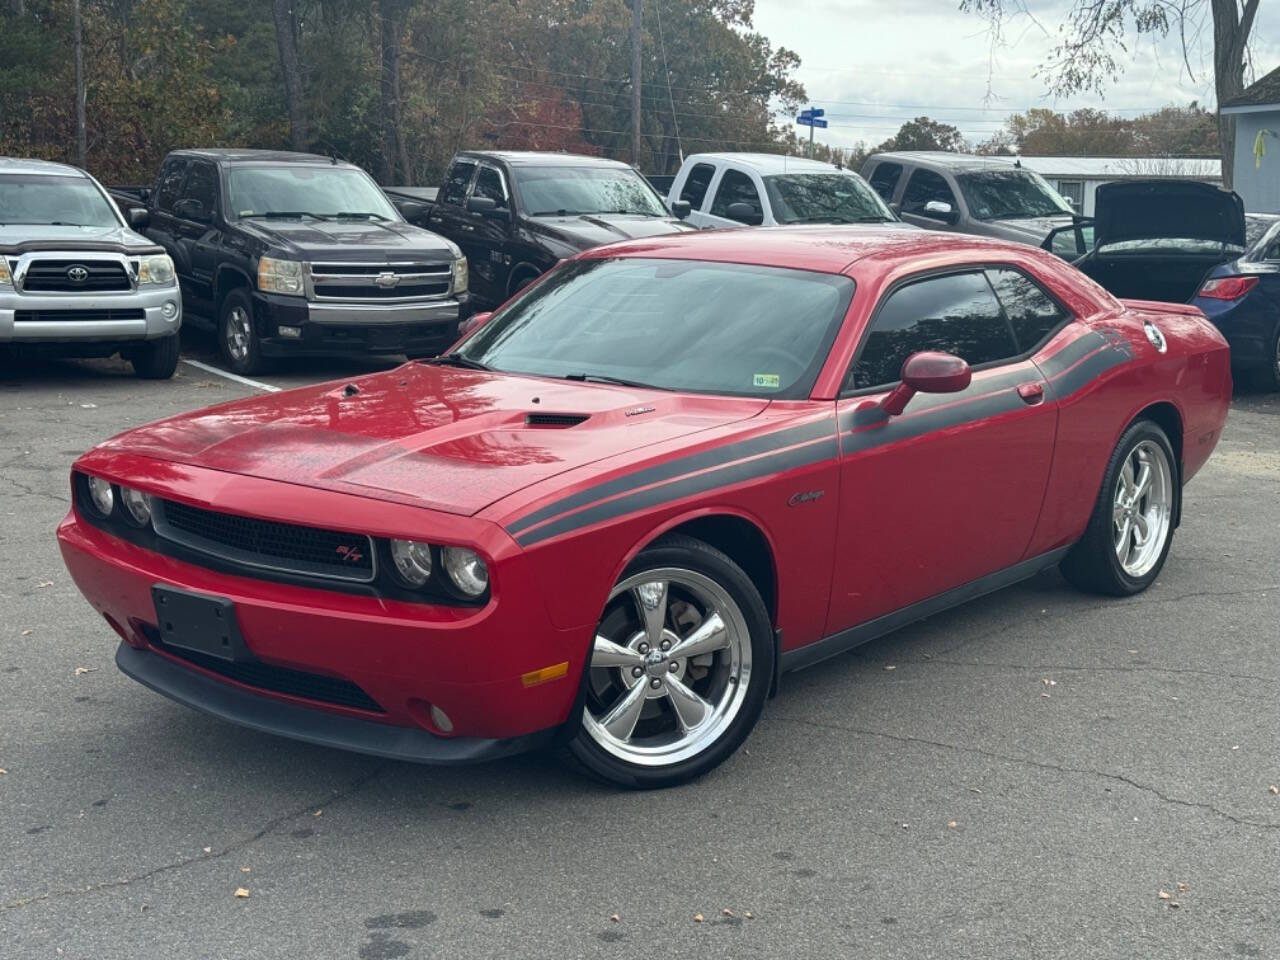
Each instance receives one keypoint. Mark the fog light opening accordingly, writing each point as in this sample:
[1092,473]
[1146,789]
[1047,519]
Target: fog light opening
[169,309]
[290,333]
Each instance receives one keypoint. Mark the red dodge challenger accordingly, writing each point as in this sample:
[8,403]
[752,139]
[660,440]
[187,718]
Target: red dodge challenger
[651,483]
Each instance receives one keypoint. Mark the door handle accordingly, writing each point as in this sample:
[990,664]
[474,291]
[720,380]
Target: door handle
[468,227]
[1032,392]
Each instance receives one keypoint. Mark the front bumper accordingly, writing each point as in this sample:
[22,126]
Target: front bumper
[89,317]
[424,327]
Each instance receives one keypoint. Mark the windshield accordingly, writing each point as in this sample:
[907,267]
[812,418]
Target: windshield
[64,201]
[1010,195]
[683,325]
[824,198]
[562,191]
[306,188]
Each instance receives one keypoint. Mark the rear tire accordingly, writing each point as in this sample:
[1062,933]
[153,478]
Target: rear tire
[156,359]
[1268,377]
[1141,494]
[652,719]
[238,336]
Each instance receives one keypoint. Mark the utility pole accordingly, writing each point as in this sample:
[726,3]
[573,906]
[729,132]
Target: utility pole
[637,38]
[811,143]
[77,39]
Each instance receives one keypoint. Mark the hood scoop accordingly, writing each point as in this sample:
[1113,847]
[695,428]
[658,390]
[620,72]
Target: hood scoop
[555,421]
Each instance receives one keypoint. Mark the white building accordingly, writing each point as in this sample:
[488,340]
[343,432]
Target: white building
[1257,158]
[1076,178]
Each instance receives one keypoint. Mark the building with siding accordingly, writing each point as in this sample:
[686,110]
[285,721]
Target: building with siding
[1257,115]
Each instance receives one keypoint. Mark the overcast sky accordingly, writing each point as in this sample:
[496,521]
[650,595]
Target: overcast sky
[874,63]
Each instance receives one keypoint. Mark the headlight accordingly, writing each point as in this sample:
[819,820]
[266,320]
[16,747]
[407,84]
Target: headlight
[6,278]
[412,560]
[157,269]
[101,494]
[280,276]
[138,504]
[460,275]
[467,571]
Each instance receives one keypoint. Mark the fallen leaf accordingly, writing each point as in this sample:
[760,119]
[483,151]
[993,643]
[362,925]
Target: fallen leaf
[318,812]
[1273,790]
[1133,651]
[697,918]
[614,918]
[244,869]
[749,915]
[1182,888]
[974,790]
[44,583]
[906,826]
[242,892]
[951,823]
[83,670]
[1164,895]
[3,771]
[88,406]
[207,849]
[1045,696]
[1174,905]
[26,633]
[890,666]
[727,912]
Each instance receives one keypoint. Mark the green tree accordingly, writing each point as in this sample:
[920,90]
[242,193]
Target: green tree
[925,134]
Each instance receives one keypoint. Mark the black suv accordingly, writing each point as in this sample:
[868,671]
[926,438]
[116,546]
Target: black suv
[292,253]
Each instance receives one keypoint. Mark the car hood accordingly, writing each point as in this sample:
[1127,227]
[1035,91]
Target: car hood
[20,237]
[438,437]
[593,230]
[1030,230]
[360,240]
[1167,209]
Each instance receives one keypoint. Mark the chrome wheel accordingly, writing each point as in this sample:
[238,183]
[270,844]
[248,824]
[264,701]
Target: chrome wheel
[238,333]
[1142,509]
[670,667]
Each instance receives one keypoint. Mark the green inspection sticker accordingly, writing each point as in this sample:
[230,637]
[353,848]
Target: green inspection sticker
[766,380]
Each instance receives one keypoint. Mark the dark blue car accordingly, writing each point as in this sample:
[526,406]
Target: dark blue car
[1187,242]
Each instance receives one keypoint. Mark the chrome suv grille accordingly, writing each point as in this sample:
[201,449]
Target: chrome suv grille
[266,544]
[76,276]
[381,282]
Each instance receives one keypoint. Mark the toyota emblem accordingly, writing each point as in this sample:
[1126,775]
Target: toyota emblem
[386,280]
[77,274]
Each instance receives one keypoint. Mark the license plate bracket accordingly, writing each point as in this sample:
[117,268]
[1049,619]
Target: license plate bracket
[199,622]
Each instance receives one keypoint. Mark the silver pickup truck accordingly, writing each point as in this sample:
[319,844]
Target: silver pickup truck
[75,279]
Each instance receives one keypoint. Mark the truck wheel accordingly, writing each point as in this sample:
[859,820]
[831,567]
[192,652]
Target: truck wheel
[156,359]
[237,339]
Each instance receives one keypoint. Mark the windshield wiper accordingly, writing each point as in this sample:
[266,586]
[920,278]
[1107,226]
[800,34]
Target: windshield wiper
[559,213]
[457,360]
[615,381]
[282,215]
[355,216]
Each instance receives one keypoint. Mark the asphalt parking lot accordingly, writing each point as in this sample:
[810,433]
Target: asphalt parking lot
[1038,774]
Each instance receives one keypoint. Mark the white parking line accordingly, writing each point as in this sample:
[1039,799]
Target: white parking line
[256,384]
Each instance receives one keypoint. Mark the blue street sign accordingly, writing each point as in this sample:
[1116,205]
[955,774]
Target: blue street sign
[805,121]
[816,112]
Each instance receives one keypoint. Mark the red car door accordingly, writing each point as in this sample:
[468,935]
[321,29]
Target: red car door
[950,490]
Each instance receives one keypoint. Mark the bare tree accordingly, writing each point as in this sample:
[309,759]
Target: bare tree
[17,7]
[286,17]
[1094,37]
[395,155]
[77,42]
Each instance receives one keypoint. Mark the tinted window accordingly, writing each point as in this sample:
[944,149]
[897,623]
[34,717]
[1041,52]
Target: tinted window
[455,185]
[202,185]
[735,187]
[489,186]
[170,184]
[884,180]
[824,198]
[1032,313]
[1073,192]
[323,190]
[956,314]
[552,191]
[1009,195]
[695,185]
[721,328]
[924,186]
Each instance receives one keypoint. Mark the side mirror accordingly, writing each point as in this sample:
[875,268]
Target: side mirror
[680,209]
[144,194]
[139,219]
[411,210]
[940,210]
[745,213]
[927,372]
[473,323]
[193,210]
[487,207]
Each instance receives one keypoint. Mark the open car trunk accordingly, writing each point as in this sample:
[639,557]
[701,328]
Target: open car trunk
[1171,277]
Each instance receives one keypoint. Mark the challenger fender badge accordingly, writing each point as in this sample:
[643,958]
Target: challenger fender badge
[807,496]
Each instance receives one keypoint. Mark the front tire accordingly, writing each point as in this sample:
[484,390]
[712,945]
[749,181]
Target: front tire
[237,335]
[1131,529]
[679,671]
[156,359]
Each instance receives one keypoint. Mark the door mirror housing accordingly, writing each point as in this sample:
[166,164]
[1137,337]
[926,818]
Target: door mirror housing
[940,210]
[680,209]
[411,210]
[745,213]
[487,207]
[191,209]
[930,371]
[139,219]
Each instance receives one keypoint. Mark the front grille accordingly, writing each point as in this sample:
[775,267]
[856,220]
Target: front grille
[266,544]
[265,676]
[53,276]
[380,281]
[75,316]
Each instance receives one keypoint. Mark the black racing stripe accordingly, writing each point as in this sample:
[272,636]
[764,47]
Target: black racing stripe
[676,468]
[904,428]
[816,452]
[1072,353]
[922,402]
[1082,375]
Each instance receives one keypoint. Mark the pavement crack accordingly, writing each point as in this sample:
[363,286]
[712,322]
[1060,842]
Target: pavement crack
[1040,765]
[1198,594]
[1066,668]
[271,825]
[33,492]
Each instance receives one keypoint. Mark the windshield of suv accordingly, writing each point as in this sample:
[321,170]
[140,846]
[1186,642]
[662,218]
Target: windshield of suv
[824,198]
[64,201]
[321,191]
[685,325]
[564,191]
[1010,195]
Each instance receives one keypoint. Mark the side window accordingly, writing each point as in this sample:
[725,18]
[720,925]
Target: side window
[695,185]
[884,179]
[1073,192]
[1032,313]
[924,186]
[454,190]
[202,186]
[170,183]
[957,314]
[489,186]
[735,187]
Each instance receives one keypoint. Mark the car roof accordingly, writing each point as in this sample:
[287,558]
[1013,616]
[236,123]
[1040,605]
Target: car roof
[766,164]
[543,158]
[16,165]
[245,154]
[944,160]
[826,248]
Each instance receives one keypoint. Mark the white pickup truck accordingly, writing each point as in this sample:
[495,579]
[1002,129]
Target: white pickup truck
[733,189]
